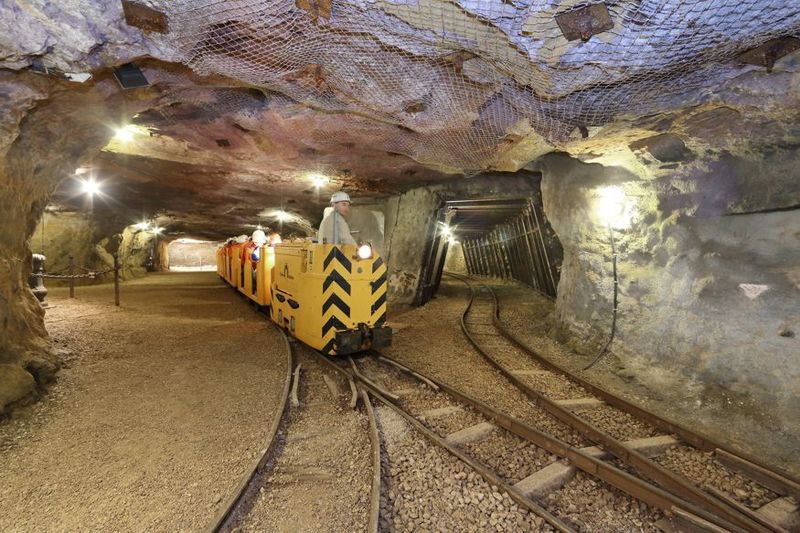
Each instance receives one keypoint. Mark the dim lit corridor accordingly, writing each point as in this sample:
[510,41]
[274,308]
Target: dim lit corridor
[396,266]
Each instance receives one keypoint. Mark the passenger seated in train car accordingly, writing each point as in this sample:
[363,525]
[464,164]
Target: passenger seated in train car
[334,228]
[253,248]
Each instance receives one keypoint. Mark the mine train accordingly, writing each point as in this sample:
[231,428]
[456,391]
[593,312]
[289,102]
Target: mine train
[330,297]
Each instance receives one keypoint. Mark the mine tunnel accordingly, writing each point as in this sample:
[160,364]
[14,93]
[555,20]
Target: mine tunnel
[435,265]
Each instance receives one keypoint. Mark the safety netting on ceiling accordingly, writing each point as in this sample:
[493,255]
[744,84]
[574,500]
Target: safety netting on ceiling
[465,83]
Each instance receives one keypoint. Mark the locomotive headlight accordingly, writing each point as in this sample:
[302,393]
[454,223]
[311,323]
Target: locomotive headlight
[365,251]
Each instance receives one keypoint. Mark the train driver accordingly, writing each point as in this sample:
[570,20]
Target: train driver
[334,228]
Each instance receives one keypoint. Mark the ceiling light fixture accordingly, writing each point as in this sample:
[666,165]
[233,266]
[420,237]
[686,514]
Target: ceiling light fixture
[319,180]
[125,134]
[90,187]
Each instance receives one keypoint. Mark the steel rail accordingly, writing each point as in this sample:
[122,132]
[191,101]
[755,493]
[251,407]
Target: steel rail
[773,478]
[682,487]
[631,485]
[227,511]
[486,473]
[375,497]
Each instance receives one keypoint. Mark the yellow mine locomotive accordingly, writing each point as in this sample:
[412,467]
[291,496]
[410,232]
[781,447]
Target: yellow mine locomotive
[330,297]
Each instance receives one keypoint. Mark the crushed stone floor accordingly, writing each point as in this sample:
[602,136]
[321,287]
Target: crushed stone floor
[164,403]
[448,356]
[166,400]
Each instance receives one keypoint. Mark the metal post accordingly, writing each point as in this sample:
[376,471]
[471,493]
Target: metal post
[550,276]
[524,275]
[541,266]
[498,252]
[506,252]
[527,232]
[502,252]
[493,254]
[512,252]
[71,279]
[116,280]
[467,247]
[36,281]
[484,257]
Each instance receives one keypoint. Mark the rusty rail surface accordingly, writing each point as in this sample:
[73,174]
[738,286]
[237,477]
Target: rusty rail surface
[718,507]
[222,518]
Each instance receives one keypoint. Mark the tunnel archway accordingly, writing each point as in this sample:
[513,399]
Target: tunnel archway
[191,255]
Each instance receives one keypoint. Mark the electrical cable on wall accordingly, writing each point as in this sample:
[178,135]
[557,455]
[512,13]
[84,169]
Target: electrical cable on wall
[604,350]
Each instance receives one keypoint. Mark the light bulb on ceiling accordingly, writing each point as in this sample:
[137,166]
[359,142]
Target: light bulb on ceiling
[125,133]
[318,180]
[90,187]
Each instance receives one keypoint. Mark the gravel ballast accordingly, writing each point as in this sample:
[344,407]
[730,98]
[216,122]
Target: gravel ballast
[164,404]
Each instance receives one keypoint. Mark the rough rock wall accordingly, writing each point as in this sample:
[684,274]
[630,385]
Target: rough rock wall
[709,269]
[36,153]
[61,235]
[91,244]
[194,255]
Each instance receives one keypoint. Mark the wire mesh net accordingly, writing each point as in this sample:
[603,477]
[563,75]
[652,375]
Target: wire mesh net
[463,82]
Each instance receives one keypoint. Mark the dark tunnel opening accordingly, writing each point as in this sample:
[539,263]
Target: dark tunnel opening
[499,238]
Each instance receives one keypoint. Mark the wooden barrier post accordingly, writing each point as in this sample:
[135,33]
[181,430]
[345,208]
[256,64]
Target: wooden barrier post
[116,280]
[71,279]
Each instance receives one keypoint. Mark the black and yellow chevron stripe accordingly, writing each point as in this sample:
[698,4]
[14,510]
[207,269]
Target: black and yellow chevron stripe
[336,296]
[378,286]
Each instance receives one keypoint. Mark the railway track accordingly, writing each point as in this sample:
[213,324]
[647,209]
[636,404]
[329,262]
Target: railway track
[639,441]
[236,510]
[471,431]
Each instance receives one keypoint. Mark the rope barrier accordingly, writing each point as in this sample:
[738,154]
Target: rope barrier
[40,291]
[89,275]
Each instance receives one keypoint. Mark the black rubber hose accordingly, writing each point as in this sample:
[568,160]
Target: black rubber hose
[614,309]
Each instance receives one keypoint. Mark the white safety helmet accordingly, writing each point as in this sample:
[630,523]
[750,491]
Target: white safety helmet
[259,237]
[340,197]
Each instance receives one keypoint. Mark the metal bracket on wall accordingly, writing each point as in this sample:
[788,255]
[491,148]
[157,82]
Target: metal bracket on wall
[584,22]
[769,52]
[144,17]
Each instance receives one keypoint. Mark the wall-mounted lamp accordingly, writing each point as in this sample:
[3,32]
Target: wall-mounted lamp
[446,231]
[90,187]
[616,211]
[613,208]
[124,134]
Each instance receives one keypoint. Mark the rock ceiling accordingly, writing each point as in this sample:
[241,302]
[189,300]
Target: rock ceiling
[247,99]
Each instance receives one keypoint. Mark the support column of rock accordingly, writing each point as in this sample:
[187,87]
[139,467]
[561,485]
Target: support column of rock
[708,284]
[46,128]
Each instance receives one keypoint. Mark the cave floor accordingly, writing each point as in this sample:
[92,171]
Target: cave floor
[162,405]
